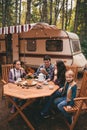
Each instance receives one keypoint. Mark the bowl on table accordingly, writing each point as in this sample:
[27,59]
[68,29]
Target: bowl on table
[51,86]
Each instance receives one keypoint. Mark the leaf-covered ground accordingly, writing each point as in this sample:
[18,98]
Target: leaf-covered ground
[55,122]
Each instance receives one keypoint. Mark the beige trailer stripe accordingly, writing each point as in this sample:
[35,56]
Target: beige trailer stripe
[42,55]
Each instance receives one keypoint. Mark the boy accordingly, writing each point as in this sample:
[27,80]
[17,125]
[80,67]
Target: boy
[68,94]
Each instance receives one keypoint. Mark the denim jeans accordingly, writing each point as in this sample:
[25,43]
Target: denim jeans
[49,102]
[19,102]
[61,102]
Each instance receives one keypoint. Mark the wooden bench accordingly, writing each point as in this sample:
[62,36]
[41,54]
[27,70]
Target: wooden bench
[80,103]
[5,72]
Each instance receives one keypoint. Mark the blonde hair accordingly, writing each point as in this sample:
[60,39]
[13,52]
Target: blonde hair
[70,73]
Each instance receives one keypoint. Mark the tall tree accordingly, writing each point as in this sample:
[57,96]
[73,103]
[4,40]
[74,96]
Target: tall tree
[44,11]
[23,12]
[7,12]
[76,15]
[57,9]
[63,15]
[28,15]
[80,23]
[51,10]
[66,14]
[17,11]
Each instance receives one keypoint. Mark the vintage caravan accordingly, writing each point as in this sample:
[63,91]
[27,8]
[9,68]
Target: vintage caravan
[31,46]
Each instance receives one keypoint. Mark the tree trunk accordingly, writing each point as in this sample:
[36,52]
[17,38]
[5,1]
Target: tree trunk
[44,11]
[51,7]
[3,13]
[70,14]
[20,11]
[76,16]
[63,14]
[66,15]
[28,14]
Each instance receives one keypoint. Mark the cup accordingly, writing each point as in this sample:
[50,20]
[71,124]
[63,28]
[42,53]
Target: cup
[51,86]
[45,82]
[19,80]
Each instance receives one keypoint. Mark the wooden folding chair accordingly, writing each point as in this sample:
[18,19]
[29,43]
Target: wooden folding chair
[5,72]
[74,68]
[80,102]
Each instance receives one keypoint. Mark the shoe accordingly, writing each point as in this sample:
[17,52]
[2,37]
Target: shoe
[12,110]
[45,116]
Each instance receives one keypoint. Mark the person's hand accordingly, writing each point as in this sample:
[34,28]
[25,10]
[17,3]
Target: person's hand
[42,70]
[16,82]
[69,107]
[48,80]
[60,89]
[21,68]
[55,77]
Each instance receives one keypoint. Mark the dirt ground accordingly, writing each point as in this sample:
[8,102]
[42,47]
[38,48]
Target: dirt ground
[55,122]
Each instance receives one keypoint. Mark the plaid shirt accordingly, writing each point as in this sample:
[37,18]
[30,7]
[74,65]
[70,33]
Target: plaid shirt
[50,71]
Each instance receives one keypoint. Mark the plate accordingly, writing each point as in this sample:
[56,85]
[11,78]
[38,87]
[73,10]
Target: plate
[33,83]
[36,79]
[28,83]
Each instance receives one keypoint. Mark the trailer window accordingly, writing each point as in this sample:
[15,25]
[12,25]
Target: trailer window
[76,46]
[54,45]
[31,45]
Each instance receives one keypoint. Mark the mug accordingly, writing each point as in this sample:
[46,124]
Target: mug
[51,86]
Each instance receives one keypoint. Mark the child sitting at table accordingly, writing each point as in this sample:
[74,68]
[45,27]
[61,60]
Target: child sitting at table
[17,72]
[68,95]
[15,75]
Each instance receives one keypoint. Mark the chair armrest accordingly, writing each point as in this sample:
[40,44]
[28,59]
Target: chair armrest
[80,98]
[78,102]
[3,81]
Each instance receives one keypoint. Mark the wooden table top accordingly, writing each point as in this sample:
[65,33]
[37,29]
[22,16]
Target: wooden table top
[13,90]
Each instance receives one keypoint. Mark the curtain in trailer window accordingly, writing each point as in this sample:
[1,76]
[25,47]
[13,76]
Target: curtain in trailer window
[75,46]
[31,45]
[54,45]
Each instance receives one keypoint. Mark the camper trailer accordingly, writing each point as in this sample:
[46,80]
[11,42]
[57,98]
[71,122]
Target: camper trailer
[42,39]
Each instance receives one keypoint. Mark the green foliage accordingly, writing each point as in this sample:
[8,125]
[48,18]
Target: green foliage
[35,16]
[6,11]
[82,25]
[58,14]
[84,47]
[23,12]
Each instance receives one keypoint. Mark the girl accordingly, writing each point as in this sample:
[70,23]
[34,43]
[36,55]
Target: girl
[17,72]
[15,75]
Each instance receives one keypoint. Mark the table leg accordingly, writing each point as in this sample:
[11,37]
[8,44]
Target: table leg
[19,110]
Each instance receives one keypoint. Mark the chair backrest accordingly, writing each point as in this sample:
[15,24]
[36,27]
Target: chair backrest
[5,71]
[74,68]
[83,89]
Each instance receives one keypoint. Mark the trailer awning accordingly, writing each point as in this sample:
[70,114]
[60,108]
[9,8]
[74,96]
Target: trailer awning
[15,29]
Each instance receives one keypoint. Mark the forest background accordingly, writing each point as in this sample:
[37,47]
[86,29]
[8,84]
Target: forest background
[69,15]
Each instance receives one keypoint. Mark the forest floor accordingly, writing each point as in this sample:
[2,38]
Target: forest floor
[55,122]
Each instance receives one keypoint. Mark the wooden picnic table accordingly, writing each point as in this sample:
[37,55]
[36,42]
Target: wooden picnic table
[31,94]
